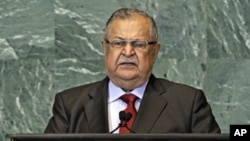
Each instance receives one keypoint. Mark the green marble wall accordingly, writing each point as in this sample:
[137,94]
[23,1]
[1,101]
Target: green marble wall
[50,45]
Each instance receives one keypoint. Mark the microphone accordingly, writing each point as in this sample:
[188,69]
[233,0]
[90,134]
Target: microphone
[124,118]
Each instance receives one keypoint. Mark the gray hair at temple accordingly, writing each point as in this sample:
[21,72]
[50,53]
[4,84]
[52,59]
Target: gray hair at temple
[126,13]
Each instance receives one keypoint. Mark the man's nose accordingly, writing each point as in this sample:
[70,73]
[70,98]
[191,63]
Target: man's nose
[128,50]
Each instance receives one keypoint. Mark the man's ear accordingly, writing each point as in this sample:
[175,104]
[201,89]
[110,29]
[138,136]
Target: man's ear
[156,50]
[103,46]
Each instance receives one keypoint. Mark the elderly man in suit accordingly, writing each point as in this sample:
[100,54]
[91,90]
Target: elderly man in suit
[130,44]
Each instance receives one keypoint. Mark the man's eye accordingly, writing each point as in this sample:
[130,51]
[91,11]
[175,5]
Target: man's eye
[119,43]
[138,44]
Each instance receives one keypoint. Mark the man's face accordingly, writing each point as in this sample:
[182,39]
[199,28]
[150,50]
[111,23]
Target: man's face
[128,63]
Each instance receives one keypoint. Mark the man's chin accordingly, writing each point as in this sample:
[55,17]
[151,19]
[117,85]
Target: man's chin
[127,77]
[128,66]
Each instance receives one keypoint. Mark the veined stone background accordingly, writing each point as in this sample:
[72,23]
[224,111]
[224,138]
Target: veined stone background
[47,46]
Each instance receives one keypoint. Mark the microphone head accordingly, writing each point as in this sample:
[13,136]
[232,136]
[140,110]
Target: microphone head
[122,115]
[128,116]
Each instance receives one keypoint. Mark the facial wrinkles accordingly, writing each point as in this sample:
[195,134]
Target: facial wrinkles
[128,30]
[127,60]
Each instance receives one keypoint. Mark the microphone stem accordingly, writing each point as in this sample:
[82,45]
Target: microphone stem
[114,130]
[130,129]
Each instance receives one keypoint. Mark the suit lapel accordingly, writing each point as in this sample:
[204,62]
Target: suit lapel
[152,105]
[96,109]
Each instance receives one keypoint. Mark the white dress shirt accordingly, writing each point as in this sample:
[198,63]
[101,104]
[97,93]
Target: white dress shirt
[115,104]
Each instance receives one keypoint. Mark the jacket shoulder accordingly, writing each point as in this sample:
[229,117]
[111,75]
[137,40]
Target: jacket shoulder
[167,84]
[80,94]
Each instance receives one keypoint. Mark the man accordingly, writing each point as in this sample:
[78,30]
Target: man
[131,46]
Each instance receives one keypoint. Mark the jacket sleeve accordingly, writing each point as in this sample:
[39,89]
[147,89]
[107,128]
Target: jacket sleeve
[58,123]
[203,119]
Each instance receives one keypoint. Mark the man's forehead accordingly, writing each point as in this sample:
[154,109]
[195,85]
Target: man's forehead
[129,29]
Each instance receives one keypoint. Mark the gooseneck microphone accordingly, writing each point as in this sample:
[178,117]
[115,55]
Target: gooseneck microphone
[124,118]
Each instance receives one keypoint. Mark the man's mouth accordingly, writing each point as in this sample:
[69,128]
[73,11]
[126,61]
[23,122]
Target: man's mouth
[127,63]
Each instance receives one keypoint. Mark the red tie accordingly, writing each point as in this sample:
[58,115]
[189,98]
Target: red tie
[130,100]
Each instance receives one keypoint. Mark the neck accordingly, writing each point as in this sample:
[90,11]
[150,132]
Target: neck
[126,91]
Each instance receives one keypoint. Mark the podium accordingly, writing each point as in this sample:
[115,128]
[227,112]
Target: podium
[120,137]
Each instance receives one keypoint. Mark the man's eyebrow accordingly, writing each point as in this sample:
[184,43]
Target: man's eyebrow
[121,38]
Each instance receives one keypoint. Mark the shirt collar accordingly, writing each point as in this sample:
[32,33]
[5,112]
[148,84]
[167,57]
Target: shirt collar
[116,92]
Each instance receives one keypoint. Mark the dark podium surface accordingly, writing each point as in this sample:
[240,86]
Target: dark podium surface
[120,137]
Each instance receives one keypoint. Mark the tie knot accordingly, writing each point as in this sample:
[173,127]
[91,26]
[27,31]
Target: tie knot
[129,98]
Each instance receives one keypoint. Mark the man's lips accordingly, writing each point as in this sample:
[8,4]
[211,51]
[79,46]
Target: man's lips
[124,63]
[127,63]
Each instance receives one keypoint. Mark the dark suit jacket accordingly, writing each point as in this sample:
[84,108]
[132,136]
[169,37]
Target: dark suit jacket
[166,107]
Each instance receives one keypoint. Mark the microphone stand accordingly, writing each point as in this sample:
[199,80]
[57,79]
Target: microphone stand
[115,129]
[128,128]
[122,125]
[124,118]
